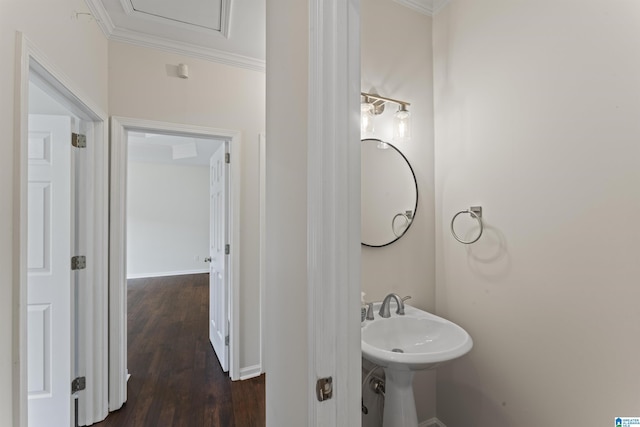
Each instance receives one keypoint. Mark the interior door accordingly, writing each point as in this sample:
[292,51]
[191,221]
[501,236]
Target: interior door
[49,272]
[218,283]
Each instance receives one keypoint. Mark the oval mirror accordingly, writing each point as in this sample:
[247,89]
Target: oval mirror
[389,193]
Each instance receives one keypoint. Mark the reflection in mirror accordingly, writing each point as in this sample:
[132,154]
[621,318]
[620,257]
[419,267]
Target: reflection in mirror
[389,195]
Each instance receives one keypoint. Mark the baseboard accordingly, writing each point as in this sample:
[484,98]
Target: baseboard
[166,273]
[433,422]
[250,372]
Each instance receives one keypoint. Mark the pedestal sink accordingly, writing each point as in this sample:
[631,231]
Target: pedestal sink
[405,344]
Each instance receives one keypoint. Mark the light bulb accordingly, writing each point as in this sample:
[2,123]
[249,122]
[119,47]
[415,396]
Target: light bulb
[366,118]
[402,124]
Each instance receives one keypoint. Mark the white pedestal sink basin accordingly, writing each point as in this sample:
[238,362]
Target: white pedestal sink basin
[404,344]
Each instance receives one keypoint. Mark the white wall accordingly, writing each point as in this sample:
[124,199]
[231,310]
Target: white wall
[396,59]
[537,119]
[286,344]
[143,85]
[76,47]
[167,219]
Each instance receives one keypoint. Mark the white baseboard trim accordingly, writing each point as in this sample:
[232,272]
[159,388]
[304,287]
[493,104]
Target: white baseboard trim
[433,422]
[166,273]
[250,372]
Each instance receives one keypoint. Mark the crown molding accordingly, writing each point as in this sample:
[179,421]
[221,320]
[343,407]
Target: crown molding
[426,7]
[114,33]
[172,46]
[101,16]
[127,6]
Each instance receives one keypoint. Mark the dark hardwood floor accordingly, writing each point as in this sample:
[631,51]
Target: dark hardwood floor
[176,379]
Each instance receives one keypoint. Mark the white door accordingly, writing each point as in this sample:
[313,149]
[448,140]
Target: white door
[49,272]
[218,290]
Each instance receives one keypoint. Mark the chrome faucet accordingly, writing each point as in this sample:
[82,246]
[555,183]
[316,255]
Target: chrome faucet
[384,307]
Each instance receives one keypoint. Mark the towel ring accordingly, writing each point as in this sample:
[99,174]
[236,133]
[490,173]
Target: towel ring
[476,213]
[407,215]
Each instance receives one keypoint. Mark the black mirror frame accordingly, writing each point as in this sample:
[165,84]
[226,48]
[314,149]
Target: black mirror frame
[415,182]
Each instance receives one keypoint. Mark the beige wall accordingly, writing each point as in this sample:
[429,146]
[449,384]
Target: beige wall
[143,84]
[396,58]
[286,348]
[79,50]
[398,64]
[167,219]
[537,119]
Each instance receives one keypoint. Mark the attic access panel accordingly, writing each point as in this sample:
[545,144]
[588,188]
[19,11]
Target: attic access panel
[209,14]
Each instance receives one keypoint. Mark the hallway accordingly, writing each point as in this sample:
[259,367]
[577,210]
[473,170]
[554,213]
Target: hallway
[176,379]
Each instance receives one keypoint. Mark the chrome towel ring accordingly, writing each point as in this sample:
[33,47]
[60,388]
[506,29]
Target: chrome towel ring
[476,213]
[407,216]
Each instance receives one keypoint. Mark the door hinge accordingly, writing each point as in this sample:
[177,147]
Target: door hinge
[227,249]
[226,340]
[78,262]
[324,389]
[227,157]
[78,384]
[78,140]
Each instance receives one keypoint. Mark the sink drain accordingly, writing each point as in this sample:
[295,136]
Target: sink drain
[397,350]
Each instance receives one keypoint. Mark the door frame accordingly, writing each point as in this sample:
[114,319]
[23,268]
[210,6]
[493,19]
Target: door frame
[29,59]
[117,239]
[333,211]
[262,172]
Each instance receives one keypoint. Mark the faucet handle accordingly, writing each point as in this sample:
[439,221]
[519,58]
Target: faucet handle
[400,309]
[370,311]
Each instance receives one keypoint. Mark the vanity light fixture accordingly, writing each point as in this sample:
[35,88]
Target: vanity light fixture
[402,124]
[366,118]
[373,105]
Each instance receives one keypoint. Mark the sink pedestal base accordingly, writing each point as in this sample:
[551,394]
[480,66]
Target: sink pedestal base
[399,403]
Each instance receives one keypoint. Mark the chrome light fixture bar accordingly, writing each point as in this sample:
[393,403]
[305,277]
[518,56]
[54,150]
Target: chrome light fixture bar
[373,105]
[378,102]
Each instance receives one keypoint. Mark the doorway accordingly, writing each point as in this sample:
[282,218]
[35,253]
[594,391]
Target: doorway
[122,129]
[61,329]
[177,217]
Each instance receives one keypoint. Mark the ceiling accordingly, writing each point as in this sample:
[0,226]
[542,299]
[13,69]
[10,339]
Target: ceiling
[169,149]
[231,32]
[226,31]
